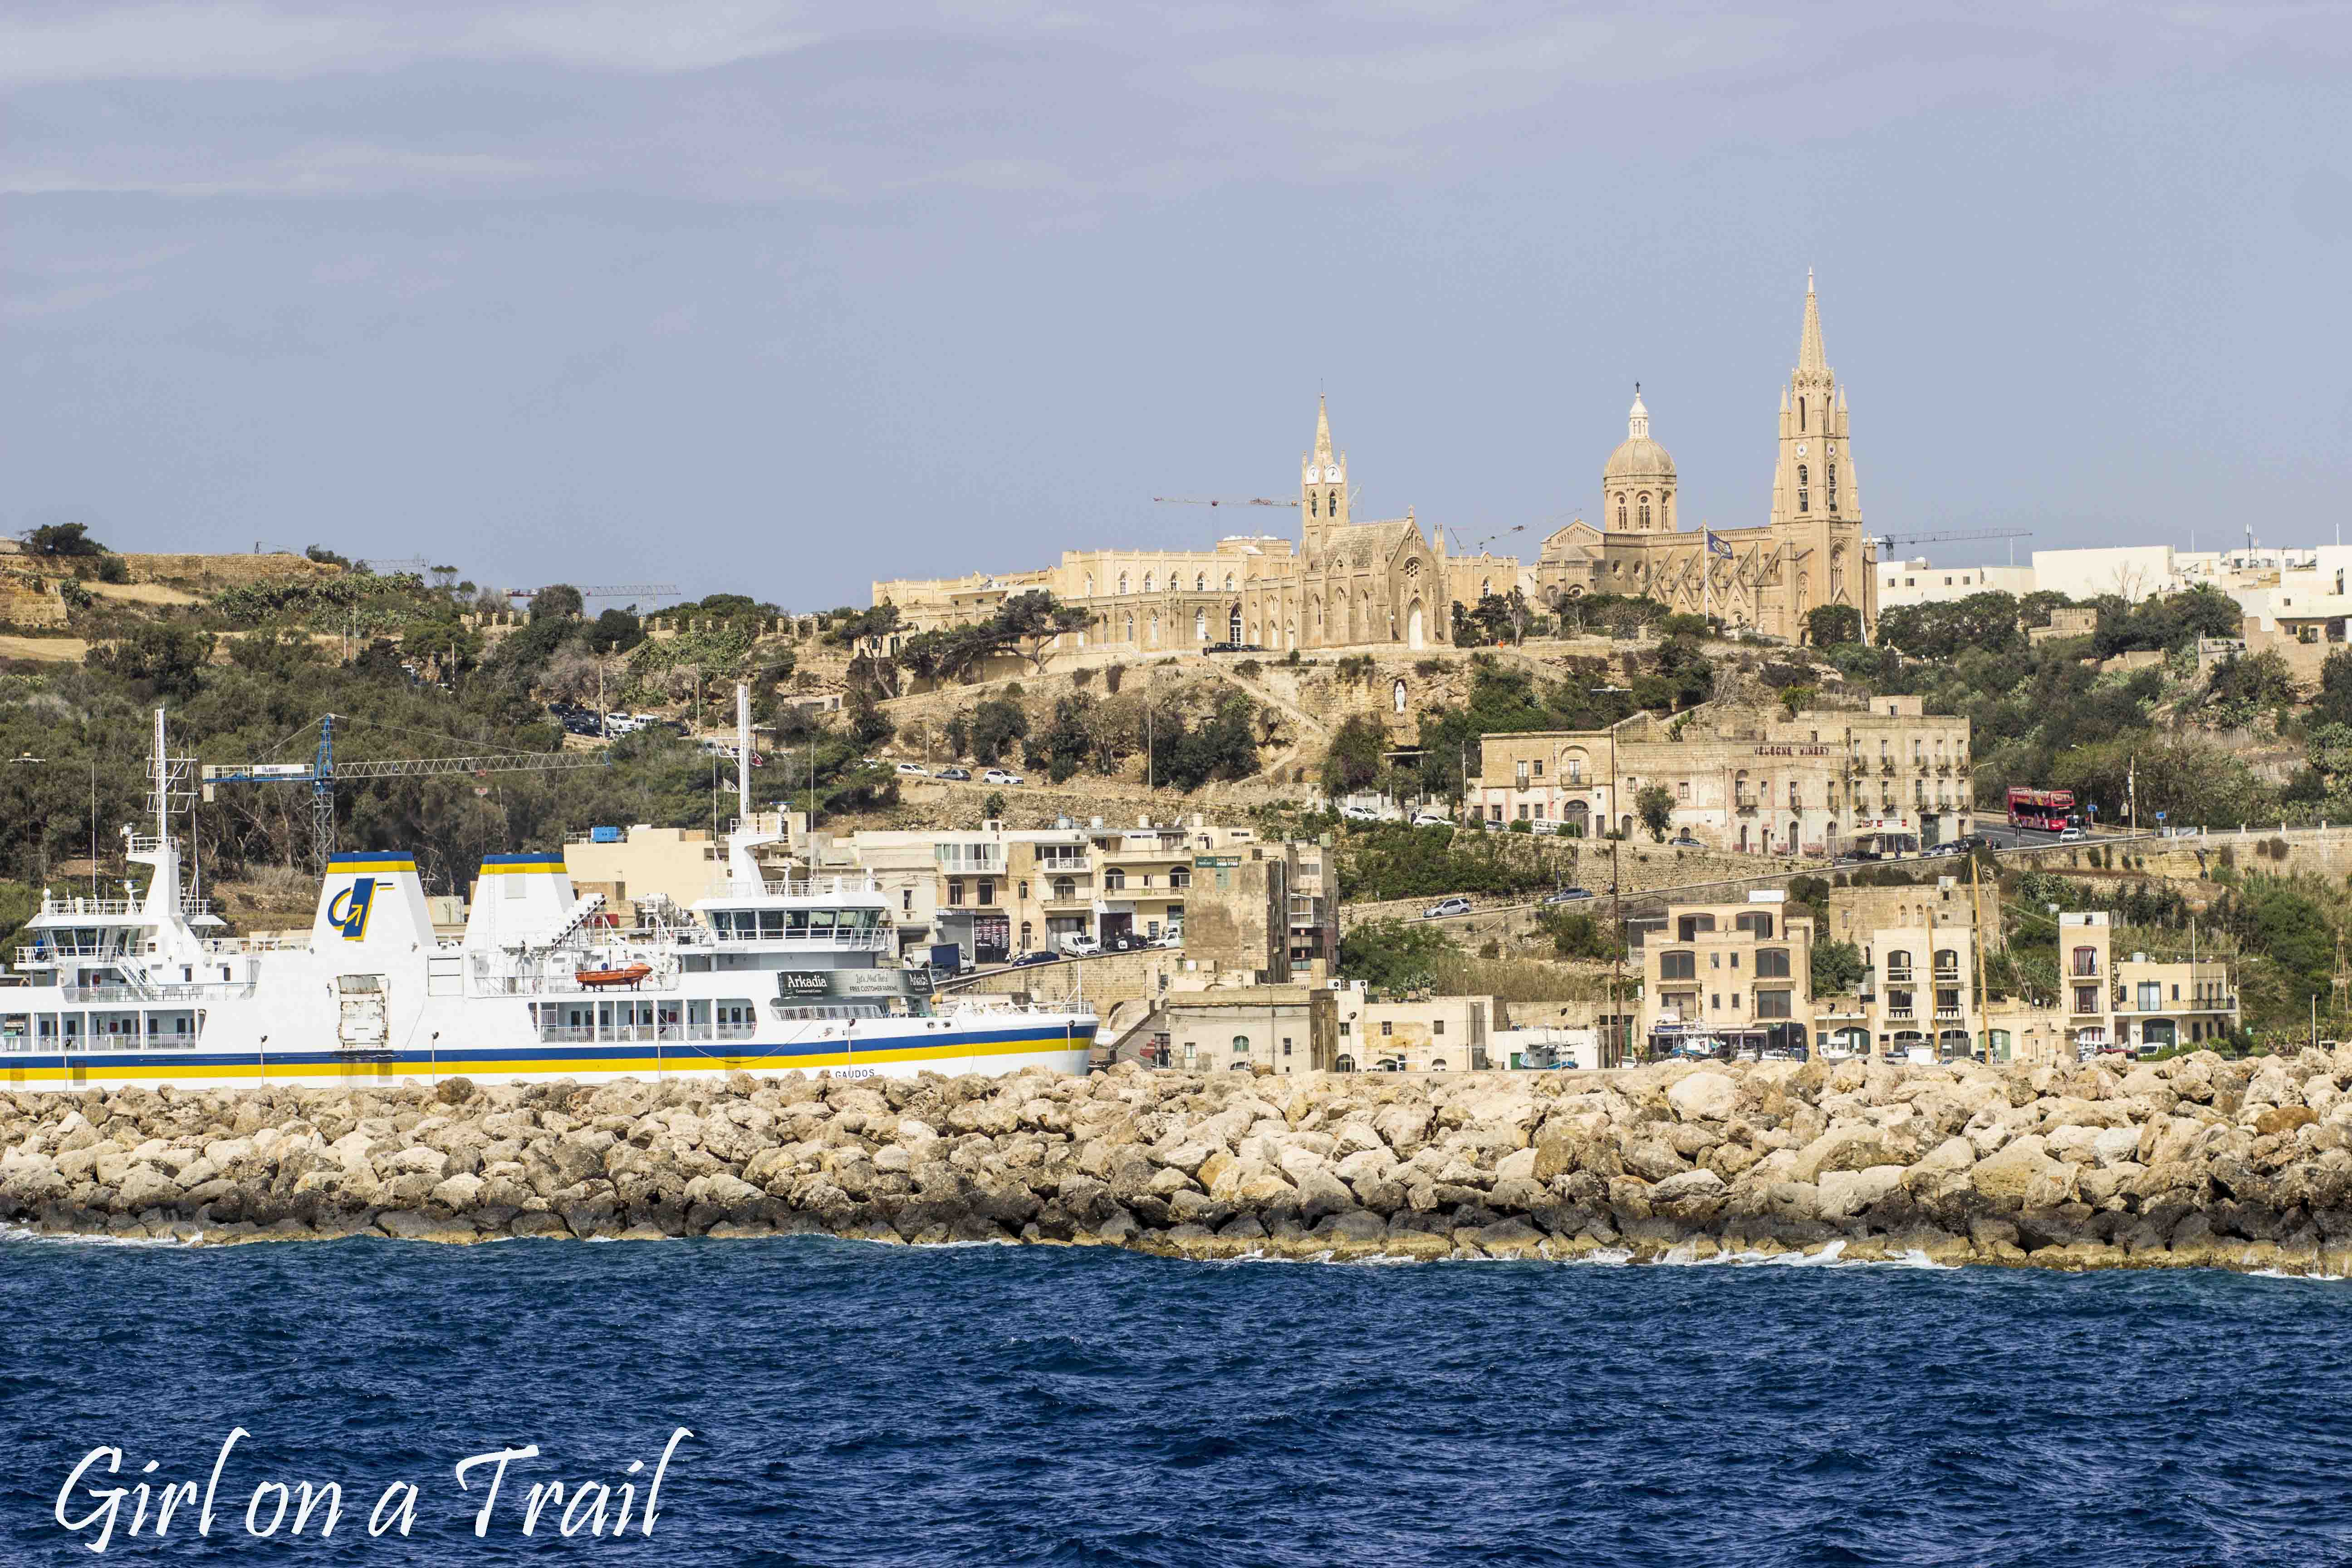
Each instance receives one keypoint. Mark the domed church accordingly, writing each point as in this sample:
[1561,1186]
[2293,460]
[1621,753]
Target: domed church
[1811,551]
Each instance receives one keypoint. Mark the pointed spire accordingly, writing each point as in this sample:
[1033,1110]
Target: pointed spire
[1810,356]
[1637,418]
[1322,431]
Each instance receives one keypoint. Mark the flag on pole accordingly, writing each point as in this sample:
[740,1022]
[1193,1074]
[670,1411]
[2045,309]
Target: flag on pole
[1716,546]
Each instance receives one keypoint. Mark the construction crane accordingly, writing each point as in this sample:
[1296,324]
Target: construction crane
[609,591]
[321,772]
[1884,540]
[1220,500]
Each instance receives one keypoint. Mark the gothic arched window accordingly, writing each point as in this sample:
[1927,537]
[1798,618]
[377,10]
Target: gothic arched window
[1147,582]
[1800,413]
[1803,496]
[1229,582]
[1314,503]
[1200,582]
[1234,624]
[1644,502]
[1200,625]
[1829,473]
[1090,584]
[1122,581]
[1620,512]
[1130,628]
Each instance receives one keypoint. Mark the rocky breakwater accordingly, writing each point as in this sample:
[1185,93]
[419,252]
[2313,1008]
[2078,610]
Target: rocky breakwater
[2192,1162]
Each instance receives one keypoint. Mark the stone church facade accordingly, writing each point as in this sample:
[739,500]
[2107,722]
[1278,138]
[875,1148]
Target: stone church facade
[1348,584]
[1809,551]
[1343,584]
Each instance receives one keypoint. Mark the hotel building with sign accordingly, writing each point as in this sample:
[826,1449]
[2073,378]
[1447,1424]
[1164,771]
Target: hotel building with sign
[1825,782]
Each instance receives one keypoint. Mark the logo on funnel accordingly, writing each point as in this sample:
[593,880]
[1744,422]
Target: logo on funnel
[347,911]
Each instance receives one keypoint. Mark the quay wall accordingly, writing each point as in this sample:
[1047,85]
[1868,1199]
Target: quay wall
[2193,1161]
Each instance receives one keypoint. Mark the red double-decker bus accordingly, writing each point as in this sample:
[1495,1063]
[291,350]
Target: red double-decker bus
[2048,809]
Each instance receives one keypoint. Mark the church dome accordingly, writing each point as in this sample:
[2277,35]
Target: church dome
[1639,457]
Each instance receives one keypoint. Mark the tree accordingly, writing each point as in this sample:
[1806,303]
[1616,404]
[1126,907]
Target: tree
[615,631]
[1837,969]
[995,725]
[1654,804]
[1392,955]
[1035,619]
[1829,625]
[1794,698]
[868,725]
[62,539]
[160,660]
[2334,704]
[1353,761]
[1575,934]
[557,601]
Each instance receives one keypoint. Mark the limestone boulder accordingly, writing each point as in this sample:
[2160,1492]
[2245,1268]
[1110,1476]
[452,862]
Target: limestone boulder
[2022,1174]
[1705,1096]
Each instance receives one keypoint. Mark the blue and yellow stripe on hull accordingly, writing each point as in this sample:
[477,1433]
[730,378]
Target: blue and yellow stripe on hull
[985,1050]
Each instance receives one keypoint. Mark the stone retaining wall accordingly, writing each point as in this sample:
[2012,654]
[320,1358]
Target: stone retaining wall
[2194,1161]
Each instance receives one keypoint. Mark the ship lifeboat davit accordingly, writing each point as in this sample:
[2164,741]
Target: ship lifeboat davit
[628,974]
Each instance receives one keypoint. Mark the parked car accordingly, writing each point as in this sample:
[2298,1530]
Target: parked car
[963,776]
[1123,941]
[1544,824]
[914,770]
[1168,938]
[999,776]
[2072,835]
[1076,944]
[1568,895]
[1425,818]
[1445,907]
[1360,814]
[1687,840]
[1032,957]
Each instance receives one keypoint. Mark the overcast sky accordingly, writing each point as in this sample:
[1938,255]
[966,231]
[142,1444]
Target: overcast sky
[781,299]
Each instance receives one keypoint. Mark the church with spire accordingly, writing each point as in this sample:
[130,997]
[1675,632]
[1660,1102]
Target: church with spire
[1809,551]
[1342,585]
[1345,584]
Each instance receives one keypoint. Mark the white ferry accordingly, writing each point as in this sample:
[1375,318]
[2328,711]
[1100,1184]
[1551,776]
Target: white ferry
[760,976]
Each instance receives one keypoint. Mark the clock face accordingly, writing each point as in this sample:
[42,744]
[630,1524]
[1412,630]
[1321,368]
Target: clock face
[1801,448]
[1331,475]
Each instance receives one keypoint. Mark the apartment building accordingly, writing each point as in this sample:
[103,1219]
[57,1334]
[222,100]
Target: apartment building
[1746,779]
[1740,975]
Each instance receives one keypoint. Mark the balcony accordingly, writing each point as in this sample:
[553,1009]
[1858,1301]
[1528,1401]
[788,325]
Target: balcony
[1902,1015]
[1950,1014]
[1069,864]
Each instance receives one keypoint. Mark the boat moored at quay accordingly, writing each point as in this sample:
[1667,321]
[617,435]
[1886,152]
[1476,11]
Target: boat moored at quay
[760,976]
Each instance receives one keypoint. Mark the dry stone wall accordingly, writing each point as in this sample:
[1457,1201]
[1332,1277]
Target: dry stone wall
[2196,1162]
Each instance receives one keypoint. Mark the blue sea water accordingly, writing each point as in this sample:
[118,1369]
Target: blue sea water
[853,1403]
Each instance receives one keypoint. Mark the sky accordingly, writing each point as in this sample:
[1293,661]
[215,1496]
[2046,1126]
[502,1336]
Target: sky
[783,299]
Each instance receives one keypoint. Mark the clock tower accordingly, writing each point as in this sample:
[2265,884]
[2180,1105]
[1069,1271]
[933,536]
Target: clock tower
[1816,504]
[1322,488]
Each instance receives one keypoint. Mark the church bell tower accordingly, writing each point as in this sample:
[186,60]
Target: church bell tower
[1816,502]
[1322,487]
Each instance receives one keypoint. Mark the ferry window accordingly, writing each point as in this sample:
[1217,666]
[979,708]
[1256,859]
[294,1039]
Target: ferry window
[820,922]
[723,922]
[771,923]
[798,922]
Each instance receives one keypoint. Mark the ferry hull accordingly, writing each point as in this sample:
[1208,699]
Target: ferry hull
[1061,1047]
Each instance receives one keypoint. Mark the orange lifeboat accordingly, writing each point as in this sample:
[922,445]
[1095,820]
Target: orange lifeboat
[628,974]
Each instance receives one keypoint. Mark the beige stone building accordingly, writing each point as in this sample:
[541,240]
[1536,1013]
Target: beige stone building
[1740,975]
[1344,584]
[1827,782]
[1284,1029]
[1428,1033]
[1809,553]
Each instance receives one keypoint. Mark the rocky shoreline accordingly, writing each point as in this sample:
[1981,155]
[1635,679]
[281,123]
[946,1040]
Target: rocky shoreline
[2192,1163]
